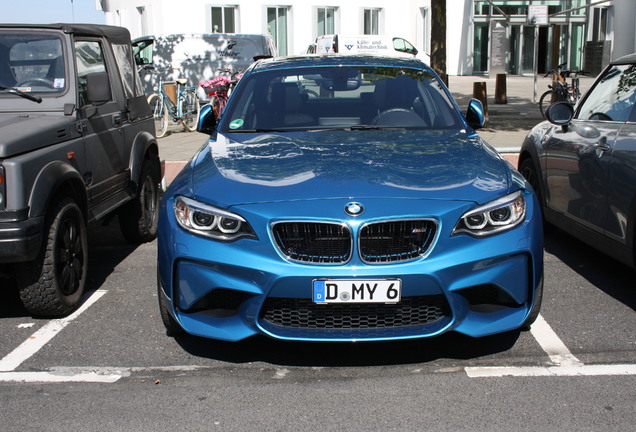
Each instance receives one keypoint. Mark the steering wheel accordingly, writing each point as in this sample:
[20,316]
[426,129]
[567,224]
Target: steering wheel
[36,81]
[600,116]
[310,93]
[388,112]
[399,117]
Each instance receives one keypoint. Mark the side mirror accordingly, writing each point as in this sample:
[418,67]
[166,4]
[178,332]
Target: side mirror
[560,113]
[98,88]
[475,114]
[207,120]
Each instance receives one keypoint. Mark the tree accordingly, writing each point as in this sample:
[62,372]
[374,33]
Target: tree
[438,38]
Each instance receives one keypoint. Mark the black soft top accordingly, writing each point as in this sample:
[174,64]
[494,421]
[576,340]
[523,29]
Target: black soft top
[117,35]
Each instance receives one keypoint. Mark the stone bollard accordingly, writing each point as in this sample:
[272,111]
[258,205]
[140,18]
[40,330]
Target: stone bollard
[501,96]
[480,93]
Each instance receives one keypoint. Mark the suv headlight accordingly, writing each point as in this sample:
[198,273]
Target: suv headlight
[209,221]
[494,217]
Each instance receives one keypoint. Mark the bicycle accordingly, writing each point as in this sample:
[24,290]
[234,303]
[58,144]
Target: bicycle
[561,90]
[219,89]
[176,101]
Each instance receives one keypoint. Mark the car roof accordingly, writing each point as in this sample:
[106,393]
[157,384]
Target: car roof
[628,59]
[117,35]
[334,60]
[201,35]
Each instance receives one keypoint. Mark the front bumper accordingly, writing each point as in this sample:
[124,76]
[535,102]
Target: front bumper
[231,291]
[20,237]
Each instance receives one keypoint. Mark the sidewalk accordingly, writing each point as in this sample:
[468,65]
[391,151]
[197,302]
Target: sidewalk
[507,126]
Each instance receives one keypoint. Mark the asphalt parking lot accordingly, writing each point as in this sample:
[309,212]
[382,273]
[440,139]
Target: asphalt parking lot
[110,365]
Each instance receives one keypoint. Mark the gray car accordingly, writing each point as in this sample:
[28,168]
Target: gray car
[582,163]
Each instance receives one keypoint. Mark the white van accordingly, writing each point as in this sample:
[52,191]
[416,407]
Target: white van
[366,44]
[197,57]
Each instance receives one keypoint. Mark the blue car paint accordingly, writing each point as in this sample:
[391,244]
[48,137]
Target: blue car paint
[315,165]
[437,174]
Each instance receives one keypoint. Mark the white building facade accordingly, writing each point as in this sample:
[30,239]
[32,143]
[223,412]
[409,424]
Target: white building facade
[294,24]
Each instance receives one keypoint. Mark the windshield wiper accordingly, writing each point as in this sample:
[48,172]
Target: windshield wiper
[364,127]
[258,130]
[22,94]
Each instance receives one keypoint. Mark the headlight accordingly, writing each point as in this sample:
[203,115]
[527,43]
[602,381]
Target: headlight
[210,221]
[494,217]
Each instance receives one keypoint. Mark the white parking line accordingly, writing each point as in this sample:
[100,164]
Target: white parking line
[564,362]
[41,337]
[51,377]
[553,346]
[538,371]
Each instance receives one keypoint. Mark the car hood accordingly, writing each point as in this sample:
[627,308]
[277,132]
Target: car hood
[254,168]
[21,133]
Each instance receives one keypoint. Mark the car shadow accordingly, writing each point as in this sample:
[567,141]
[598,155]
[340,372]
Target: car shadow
[327,354]
[605,273]
[106,249]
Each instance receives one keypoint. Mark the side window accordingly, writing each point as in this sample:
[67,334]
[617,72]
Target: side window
[404,46]
[89,58]
[143,52]
[612,99]
[127,71]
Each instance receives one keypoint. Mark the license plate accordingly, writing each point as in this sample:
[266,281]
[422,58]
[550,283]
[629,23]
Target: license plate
[357,291]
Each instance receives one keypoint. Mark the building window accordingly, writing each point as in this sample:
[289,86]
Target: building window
[372,21]
[143,19]
[326,23]
[599,24]
[223,19]
[277,27]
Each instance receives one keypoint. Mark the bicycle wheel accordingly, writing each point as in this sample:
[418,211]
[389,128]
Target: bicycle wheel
[573,96]
[546,99]
[159,114]
[190,110]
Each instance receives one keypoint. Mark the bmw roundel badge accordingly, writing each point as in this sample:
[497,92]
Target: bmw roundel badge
[354,209]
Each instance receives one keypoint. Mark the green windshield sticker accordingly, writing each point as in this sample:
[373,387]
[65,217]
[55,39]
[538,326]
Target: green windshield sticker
[236,124]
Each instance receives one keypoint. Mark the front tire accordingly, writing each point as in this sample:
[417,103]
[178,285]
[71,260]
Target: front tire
[536,308]
[172,326]
[138,219]
[159,114]
[546,100]
[52,285]
[190,110]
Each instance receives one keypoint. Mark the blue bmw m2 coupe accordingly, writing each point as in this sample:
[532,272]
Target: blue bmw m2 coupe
[347,199]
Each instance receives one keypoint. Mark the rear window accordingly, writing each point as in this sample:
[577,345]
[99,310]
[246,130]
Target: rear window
[339,97]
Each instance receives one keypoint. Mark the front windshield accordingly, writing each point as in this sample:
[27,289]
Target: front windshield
[32,63]
[339,98]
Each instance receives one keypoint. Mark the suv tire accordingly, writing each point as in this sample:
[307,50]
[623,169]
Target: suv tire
[53,283]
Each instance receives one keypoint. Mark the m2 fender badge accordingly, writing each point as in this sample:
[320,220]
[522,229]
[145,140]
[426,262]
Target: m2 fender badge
[354,209]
